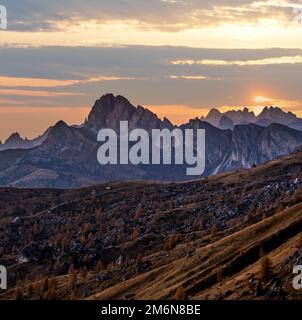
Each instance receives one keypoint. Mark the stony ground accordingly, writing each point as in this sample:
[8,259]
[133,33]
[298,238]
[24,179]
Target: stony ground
[101,241]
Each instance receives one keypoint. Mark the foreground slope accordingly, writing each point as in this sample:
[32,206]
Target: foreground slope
[135,240]
[236,257]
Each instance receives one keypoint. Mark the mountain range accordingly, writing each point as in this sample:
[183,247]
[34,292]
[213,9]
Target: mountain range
[65,156]
[14,141]
[269,115]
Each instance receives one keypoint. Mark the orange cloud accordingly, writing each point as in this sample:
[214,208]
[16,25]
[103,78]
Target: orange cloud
[36,82]
[189,77]
[35,93]
[256,62]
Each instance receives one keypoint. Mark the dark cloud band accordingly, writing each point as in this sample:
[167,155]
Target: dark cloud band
[164,15]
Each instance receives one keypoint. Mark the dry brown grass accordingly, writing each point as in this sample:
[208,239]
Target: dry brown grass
[199,272]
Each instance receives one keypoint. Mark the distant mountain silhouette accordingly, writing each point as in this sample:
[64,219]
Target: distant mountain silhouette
[268,116]
[66,156]
[15,141]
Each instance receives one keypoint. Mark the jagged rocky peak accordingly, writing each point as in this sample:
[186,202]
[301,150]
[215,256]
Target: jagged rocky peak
[247,113]
[273,111]
[246,110]
[167,123]
[267,116]
[213,117]
[269,111]
[109,110]
[276,114]
[14,141]
[13,138]
[213,114]
[59,132]
[60,125]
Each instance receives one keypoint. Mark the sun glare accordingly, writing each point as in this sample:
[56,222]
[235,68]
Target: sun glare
[261,99]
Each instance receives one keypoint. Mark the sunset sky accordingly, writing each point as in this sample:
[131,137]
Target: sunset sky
[177,57]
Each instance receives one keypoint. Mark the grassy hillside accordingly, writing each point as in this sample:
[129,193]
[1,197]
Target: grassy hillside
[231,236]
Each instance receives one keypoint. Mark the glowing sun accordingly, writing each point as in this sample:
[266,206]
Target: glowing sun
[261,99]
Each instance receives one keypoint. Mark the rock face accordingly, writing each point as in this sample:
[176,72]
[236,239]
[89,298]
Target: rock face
[225,123]
[245,145]
[66,156]
[108,111]
[14,141]
[213,117]
[277,115]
